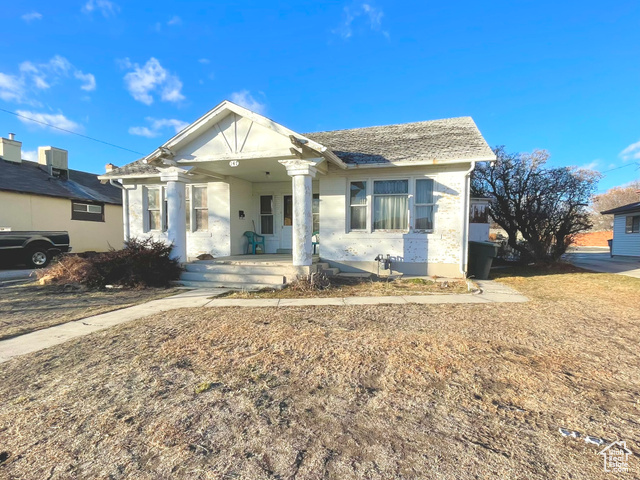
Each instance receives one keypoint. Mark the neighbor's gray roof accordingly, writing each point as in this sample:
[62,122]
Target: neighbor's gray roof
[439,140]
[630,208]
[30,177]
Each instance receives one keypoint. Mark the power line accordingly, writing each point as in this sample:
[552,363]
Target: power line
[623,166]
[69,131]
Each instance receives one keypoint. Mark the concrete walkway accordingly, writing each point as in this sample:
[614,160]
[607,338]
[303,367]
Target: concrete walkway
[492,292]
[599,260]
[11,276]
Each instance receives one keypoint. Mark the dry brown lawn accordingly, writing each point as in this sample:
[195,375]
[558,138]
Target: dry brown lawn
[382,392]
[358,287]
[29,307]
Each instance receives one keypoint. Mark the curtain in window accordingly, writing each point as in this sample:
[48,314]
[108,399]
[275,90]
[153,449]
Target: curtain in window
[390,212]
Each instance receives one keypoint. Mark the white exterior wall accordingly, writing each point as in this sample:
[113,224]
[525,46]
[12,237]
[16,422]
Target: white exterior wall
[627,244]
[434,253]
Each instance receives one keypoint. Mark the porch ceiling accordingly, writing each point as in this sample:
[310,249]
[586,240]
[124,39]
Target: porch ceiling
[252,170]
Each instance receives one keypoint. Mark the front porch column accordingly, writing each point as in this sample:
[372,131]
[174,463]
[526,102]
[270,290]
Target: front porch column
[302,173]
[176,179]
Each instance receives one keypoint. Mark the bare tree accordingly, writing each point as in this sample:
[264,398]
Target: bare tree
[613,198]
[546,206]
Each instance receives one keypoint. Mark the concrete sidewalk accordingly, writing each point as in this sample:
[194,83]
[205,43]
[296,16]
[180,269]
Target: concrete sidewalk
[492,292]
[599,260]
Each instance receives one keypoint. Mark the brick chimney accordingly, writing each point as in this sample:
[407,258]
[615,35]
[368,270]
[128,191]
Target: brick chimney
[109,167]
[11,149]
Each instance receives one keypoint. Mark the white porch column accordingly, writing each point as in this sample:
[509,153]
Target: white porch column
[302,173]
[176,179]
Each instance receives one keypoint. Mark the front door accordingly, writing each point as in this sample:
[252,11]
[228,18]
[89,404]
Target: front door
[287,223]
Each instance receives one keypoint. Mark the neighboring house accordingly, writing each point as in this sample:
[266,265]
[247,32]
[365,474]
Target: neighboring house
[397,190]
[47,195]
[626,229]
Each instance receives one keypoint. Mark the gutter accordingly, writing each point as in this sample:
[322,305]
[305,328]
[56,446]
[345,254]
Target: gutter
[125,207]
[464,248]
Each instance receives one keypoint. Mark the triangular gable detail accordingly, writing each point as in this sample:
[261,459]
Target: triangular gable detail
[230,130]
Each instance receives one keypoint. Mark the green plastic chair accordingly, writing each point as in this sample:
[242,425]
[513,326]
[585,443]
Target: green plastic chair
[316,242]
[254,240]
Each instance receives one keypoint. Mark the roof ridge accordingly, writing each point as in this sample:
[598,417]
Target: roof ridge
[421,122]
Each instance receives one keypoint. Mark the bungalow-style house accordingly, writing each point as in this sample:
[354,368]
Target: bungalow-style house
[48,196]
[397,192]
[626,230]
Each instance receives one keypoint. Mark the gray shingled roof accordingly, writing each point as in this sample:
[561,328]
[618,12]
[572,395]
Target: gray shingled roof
[133,168]
[30,177]
[440,140]
[448,139]
[630,208]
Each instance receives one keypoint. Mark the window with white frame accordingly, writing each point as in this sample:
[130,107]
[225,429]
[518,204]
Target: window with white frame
[87,211]
[266,214]
[423,204]
[315,212]
[200,208]
[390,205]
[154,209]
[358,205]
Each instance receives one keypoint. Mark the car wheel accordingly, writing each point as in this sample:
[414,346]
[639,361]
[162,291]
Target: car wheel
[38,257]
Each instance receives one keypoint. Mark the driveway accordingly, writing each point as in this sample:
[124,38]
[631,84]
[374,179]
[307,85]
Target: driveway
[599,260]
[11,276]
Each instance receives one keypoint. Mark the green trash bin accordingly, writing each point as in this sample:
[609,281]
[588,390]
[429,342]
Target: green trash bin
[481,255]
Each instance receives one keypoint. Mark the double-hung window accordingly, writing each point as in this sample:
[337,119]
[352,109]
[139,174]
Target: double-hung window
[266,214]
[154,210]
[358,205]
[632,224]
[423,203]
[315,212]
[200,208]
[390,205]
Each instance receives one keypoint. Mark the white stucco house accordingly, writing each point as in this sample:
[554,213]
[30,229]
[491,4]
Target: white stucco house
[397,190]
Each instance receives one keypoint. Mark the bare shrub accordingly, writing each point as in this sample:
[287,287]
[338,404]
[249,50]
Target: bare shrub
[311,283]
[141,263]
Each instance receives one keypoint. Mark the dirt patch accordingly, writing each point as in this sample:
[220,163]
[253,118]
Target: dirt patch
[592,239]
[361,287]
[381,392]
[30,307]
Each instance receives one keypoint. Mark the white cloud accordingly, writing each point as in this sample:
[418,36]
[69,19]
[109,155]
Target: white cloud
[12,88]
[29,17]
[31,155]
[152,78]
[88,79]
[590,165]
[105,7]
[175,20]
[56,119]
[157,125]
[246,100]
[632,152]
[364,15]
[204,61]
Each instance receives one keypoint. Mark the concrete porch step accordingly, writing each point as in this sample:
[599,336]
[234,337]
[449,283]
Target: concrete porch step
[286,251]
[254,278]
[210,266]
[230,285]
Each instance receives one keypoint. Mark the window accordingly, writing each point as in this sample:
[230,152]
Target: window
[391,205]
[266,214]
[287,219]
[154,216]
[200,208]
[87,212]
[315,210]
[187,203]
[424,204]
[358,205]
[633,224]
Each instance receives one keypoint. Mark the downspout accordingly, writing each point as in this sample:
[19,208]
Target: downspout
[125,207]
[465,220]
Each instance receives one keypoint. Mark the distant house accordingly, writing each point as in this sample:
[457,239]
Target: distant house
[626,229]
[47,195]
[400,191]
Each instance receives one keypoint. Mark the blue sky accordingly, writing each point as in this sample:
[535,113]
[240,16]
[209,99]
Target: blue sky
[563,76]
